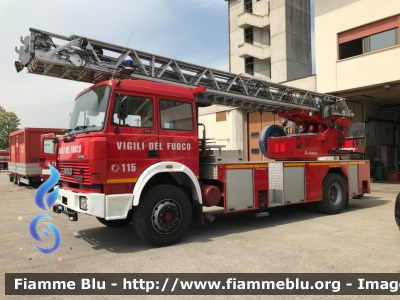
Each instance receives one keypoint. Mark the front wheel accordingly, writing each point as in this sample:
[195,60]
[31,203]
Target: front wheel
[334,194]
[163,215]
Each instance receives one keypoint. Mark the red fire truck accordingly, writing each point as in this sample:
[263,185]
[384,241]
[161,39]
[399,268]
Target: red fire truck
[133,152]
[4,159]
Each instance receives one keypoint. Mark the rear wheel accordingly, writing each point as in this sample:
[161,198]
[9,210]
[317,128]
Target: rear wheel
[19,183]
[334,194]
[163,215]
[15,178]
[11,178]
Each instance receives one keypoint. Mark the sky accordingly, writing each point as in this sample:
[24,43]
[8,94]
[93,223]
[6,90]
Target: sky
[195,31]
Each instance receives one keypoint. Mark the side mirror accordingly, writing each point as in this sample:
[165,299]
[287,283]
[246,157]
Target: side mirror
[122,107]
[357,131]
[326,111]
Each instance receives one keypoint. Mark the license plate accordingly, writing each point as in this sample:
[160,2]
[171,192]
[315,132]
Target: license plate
[68,171]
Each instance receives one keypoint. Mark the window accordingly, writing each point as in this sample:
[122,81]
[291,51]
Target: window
[381,40]
[350,49]
[248,35]
[370,37]
[48,146]
[140,112]
[255,151]
[248,6]
[90,110]
[249,65]
[255,135]
[369,43]
[220,116]
[176,115]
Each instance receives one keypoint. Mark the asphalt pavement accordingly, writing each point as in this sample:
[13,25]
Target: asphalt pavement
[364,238]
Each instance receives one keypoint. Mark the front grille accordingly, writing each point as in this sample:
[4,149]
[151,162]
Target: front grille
[80,168]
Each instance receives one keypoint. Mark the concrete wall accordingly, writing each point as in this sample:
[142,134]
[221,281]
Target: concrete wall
[290,39]
[288,36]
[306,83]
[374,68]
[230,133]
[262,69]
[236,36]
[261,36]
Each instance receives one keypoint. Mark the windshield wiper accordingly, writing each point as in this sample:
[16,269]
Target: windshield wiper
[81,128]
[68,134]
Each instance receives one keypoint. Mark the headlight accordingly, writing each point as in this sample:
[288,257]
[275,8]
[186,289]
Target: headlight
[83,203]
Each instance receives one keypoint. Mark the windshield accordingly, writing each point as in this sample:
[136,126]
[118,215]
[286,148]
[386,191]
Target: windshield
[90,110]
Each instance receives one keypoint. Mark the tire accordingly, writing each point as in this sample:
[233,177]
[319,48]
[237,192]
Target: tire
[11,178]
[114,223]
[334,195]
[15,178]
[19,183]
[163,215]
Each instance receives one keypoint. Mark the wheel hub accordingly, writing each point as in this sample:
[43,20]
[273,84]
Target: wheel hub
[335,194]
[166,216]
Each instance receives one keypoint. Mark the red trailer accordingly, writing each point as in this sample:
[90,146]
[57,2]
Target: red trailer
[4,159]
[25,154]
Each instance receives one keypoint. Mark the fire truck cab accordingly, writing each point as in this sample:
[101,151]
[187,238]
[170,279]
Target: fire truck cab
[129,141]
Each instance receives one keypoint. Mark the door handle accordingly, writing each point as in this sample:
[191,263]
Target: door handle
[152,153]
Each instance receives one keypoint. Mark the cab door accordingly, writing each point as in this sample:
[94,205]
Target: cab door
[133,145]
[48,153]
[178,132]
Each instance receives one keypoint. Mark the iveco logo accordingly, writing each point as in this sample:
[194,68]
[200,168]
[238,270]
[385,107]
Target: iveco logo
[81,156]
[68,171]
[79,178]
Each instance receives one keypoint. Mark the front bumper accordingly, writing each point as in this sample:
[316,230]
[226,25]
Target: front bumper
[397,210]
[109,207]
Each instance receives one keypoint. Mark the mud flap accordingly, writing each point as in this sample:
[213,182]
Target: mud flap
[197,213]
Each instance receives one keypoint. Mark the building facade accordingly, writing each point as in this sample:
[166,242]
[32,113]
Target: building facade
[270,40]
[358,57]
